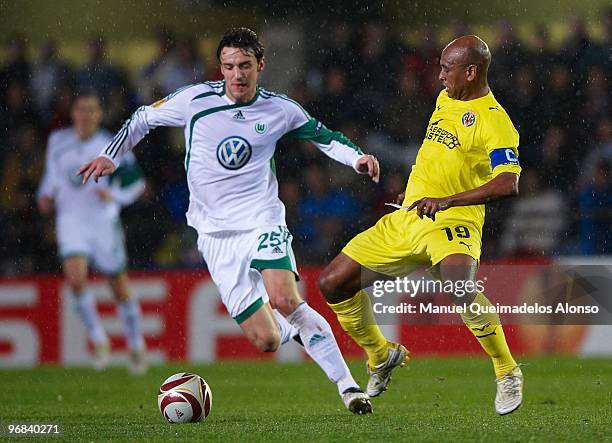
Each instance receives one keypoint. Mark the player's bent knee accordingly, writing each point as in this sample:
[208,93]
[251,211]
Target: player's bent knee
[77,284]
[330,285]
[121,294]
[267,342]
[285,301]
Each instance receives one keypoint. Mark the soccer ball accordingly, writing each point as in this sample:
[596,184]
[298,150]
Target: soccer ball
[184,398]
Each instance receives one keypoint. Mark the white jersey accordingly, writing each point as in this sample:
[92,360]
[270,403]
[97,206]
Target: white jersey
[230,148]
[66,153]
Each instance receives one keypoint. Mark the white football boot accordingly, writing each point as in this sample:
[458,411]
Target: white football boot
[101,356]
[509,392]
[137,363]
[380,376]
[357,401]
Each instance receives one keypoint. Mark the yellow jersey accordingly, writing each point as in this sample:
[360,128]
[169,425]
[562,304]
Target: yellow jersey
[467,143]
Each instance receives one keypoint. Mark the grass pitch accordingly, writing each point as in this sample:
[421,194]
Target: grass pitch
[429,400]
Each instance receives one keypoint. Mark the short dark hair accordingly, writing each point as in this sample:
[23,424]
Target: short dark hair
[86,93]
[242,38]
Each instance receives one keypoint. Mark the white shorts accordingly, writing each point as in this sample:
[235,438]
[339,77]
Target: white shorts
[101,241]
[235,259]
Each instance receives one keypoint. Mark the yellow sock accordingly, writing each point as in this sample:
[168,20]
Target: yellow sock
[487,328]
[357,319]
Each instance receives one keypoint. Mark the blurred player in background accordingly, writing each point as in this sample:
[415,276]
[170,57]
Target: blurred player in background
[469,157]
[88,225]
[231,130]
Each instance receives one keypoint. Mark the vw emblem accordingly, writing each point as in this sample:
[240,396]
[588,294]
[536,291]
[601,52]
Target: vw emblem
[233,152]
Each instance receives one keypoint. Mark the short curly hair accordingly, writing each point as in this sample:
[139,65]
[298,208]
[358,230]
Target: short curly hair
[243,38]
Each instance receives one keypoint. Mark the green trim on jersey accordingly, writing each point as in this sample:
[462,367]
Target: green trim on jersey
[316,131]
[206,94]
[214,85]
[273,166]
[209,111]
[179,90]
[279,263]
[244,315]
[267,95]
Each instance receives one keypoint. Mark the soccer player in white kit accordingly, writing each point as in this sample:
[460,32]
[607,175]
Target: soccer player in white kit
[231,128]
[88,225]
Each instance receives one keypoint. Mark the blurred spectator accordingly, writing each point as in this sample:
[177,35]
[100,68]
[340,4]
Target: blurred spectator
[182,68]
[49,75]
[149,78]
[339,50]
[16,112]
[62,103]
[424,59]
[556,154]
[596,98]
[21,243]
[336,51]
[16,67]
[601,151]
[459,27]
[537,219]
[405,117]
[97,73]
[335,104]
[116,109]
[542,55]
[559,100]
[22,169]
[507,57]
[576,50]
[595,205]
[523,105]
[326,217]
[372,78]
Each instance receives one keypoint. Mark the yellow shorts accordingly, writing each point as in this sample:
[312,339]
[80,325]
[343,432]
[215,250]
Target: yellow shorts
[401,241]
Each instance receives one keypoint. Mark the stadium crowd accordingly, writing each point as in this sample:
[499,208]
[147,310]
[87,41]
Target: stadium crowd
[363,81]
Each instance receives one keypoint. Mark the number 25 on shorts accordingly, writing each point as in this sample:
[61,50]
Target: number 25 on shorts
[273,238]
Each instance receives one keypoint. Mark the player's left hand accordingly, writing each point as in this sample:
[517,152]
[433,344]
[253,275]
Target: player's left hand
[96,168]
[428,206]
[369,164]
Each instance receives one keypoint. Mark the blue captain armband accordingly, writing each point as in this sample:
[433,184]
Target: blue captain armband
[503,156]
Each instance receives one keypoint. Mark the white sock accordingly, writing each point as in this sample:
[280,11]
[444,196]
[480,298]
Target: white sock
[86,307]
[129,313]
[287,331]
[321,346]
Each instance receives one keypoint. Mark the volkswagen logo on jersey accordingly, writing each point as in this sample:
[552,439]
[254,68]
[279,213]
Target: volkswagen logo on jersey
[233,152]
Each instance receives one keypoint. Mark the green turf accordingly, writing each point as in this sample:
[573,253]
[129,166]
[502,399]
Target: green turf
[430,400]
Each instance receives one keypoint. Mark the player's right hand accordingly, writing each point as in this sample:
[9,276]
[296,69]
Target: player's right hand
[97,168]
[400,198]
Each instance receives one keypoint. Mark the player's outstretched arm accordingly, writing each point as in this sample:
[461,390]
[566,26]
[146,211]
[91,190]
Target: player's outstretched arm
[505,185]
[97,168]
[334,144]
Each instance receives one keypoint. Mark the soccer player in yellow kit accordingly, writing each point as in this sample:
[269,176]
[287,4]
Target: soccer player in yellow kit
[469,157]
